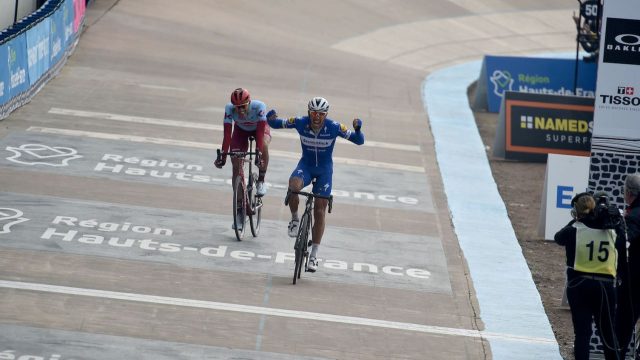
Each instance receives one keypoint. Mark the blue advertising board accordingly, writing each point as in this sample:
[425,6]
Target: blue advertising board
[4,75]
[38,49]
[57,43]
[17,57]
[535,75]
[67,21]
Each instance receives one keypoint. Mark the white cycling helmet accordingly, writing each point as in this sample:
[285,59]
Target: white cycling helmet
[319,104]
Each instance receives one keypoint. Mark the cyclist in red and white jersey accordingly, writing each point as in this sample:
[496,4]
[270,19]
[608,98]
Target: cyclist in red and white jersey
[246,117]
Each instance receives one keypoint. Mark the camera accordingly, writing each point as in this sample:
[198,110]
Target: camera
[607,214]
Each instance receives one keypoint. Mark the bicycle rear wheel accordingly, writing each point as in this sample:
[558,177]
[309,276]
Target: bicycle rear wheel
[239,208]
[301,247]
[256,205]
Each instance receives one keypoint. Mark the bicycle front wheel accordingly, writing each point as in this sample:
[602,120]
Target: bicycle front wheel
[301,247]
[256,205]
[239,208]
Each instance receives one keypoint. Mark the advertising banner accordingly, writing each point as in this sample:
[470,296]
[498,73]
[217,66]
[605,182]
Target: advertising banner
[5,80]
[57,42]
[618,95]
[38,50]
[67,20]
[622,39]
[18,66]
[500,74]
[566,176]
[79,7]
[615,149]
[544,124]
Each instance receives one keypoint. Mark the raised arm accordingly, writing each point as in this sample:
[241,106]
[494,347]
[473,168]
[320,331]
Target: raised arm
[356,136]
[275,123]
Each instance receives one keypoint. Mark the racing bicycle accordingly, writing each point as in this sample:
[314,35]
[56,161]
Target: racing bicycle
[303,239]
[247,205]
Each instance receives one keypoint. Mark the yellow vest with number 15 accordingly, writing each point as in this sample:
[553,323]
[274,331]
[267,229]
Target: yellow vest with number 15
[595,250]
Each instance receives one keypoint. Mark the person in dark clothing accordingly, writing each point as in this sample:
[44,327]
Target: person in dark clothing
[592,248]
[628,310]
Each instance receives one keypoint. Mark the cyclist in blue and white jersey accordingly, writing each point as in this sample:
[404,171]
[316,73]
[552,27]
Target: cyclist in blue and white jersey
[317,137]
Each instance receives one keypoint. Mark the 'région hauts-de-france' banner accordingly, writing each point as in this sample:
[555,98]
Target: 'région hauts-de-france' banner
[615,145]
[551,76]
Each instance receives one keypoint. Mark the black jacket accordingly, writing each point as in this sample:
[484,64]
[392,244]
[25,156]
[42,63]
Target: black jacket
[632,219]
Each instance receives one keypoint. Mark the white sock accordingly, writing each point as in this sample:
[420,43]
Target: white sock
[294,216]
[314,250]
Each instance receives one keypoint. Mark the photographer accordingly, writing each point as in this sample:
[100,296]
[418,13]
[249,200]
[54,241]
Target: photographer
[629,291]
[592,242]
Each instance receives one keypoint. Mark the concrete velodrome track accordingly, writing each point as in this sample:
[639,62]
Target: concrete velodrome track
[115,238]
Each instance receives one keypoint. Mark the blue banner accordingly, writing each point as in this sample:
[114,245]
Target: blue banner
[17,56]
[38,49]
[57,43]
[4,75]
[536,75]
[67,21]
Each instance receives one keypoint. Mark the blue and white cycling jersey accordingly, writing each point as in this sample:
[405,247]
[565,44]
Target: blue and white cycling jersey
[257,112]
[317,148]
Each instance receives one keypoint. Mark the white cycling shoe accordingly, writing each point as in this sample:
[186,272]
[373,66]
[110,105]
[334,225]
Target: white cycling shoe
[313,265]
[261,189]
[293,228]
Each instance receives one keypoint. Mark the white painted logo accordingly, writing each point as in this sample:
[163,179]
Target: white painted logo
[10,217]
[40,154]
[621,39]
[316,142]
[18,77]
[38,52]
[56,47]
[93,232]
[502,81]
[12,354]
[193,173]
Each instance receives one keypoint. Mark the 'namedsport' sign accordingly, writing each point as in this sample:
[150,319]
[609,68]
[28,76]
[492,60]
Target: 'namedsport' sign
[534,125]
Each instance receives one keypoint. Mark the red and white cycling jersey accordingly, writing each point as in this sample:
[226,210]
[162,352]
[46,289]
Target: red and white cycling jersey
[257,112]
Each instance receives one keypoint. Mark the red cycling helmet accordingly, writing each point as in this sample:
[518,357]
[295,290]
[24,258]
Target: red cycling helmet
[240,97]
